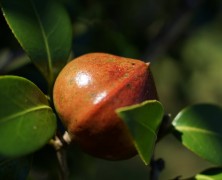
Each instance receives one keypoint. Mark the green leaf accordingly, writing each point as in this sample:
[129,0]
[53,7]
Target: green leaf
[201,132]
[15,169]
[43,29]
[27,122]
[143,121]
[210,174]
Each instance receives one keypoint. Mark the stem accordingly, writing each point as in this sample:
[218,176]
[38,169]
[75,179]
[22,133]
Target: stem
[173,29]
[156,167]
[59,144]
[62,160]
[165,128]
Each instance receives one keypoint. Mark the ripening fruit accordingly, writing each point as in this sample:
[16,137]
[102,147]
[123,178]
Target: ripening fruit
[86,94]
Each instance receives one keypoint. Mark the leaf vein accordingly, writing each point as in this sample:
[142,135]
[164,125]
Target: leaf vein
[23,113]
[195,129]
[147,127]
[47,48]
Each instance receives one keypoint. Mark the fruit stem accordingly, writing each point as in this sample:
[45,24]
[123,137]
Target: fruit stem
[147,63]
[156,167]
[59,144]
[62,159]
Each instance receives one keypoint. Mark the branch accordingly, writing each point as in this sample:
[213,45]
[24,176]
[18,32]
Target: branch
[59,144]
[173,29]
[156,167]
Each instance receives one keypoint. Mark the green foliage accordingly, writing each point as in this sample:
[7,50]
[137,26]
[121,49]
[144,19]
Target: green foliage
[143,121]
[202,57]
[43,29]
[27,122]
[210,174]
[200,128]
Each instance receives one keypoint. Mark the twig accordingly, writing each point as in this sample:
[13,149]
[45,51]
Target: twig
[62,159]
[172,30]
[59,144]
[156,167]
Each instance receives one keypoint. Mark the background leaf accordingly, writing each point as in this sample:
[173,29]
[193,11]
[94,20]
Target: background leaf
[210,174]
[15,169]
[43,29]
[8,64]
[27,121]
[143,121]
[200,128]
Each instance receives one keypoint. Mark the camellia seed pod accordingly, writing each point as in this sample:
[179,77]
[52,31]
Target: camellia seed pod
[86,94]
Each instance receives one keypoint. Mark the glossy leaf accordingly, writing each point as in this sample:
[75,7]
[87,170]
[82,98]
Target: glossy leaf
[43,29]
[200,128]
[143,121]
[210,174]
[15,169]
[27,122]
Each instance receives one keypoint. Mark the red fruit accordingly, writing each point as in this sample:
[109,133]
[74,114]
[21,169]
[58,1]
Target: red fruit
[88,91]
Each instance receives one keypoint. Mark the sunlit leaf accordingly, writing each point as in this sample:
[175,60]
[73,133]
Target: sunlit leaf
[210,174]
[143,121]
[200,128]
[15,169]
[27,121]
[43,29]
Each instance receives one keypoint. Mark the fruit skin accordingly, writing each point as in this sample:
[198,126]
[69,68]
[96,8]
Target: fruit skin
[86,94]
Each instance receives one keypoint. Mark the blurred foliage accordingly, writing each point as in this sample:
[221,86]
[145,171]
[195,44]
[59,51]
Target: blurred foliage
[202,57]
[183,41]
